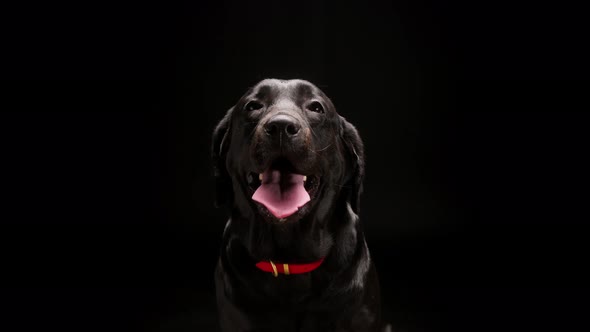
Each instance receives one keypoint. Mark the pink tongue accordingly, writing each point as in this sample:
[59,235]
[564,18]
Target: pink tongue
[281,193]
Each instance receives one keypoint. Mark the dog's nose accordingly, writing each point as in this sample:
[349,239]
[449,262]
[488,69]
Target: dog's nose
[282,124]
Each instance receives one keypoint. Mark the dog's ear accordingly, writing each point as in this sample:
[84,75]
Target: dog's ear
[356,159]
[220,145]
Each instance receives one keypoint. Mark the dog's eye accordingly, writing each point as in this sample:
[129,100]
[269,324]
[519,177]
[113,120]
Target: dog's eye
[252,106]
[316,107]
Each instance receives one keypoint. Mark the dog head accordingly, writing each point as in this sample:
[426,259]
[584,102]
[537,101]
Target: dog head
[283,153]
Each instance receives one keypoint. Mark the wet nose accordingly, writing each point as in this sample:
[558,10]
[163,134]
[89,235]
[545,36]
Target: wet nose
[282,124]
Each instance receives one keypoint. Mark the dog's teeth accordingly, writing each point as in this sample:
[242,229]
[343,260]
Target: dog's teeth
[260,176]
[282,219]
[304,178]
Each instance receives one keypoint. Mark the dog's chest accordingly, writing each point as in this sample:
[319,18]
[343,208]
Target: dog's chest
[286,289]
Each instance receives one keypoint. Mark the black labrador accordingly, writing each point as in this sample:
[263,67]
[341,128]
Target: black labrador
[293,256]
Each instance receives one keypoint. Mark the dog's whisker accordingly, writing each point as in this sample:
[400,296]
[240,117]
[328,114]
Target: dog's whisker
[313,132]
[322,149]
[340,185]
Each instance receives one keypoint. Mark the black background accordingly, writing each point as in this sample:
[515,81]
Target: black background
[474,117]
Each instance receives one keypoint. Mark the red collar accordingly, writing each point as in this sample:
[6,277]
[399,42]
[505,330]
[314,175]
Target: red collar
[276,268]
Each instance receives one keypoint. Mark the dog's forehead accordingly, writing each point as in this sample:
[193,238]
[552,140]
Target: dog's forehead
[291,89]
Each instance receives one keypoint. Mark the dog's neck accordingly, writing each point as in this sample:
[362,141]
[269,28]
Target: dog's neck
[339,241]
[302,241]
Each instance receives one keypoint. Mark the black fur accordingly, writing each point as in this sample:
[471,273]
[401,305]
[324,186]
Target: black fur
[343,293]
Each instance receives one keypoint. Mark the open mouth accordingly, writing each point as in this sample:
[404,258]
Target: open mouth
[281,190]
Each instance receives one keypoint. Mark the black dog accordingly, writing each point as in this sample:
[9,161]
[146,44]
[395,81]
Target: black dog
[293,254]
